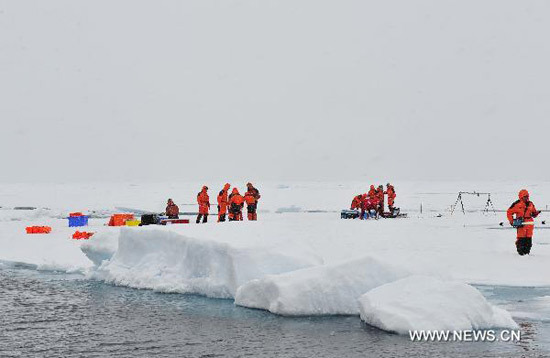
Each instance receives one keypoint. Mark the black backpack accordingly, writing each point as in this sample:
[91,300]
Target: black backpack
[149,219]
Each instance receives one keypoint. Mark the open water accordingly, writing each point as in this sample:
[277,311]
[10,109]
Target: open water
[47,314]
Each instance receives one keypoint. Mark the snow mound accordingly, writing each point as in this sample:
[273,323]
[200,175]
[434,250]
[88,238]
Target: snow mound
[427,303]
[167,261]
[321,290]
[102,246]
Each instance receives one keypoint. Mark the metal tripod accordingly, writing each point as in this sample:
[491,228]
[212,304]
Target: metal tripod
[488,206]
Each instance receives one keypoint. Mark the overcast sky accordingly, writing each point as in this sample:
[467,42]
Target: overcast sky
[274,90]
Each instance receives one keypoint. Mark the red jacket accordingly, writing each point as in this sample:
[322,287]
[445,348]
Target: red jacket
[222,196]
[369,204]
[236,199]
[391,192]
[172,210]
[520,209]
[204,201]
[356,203]
[250,198]
[372,192]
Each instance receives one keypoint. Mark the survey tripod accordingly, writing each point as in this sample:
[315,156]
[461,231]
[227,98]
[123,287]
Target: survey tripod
[488,206]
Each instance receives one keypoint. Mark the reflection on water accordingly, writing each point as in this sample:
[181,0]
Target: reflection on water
[48,314]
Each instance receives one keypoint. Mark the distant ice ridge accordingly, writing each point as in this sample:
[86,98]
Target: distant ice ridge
[321,290]
[8,214]
[167,261]
[427,303]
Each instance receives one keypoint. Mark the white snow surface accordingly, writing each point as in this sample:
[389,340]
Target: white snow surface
[165,259]
[321,290]
[427,303]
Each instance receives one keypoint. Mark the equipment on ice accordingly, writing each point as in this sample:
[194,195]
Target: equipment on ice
[149,219]
[488,204]
[349,214]
[395,213]
[120,219]
[517,222]
[77,219]
[38,229]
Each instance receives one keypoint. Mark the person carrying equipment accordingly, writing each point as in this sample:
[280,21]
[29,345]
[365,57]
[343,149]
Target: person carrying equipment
[524,212]
[204,205]
[222,202]
[236,203]
[172,210]
[251,197]
[391,196]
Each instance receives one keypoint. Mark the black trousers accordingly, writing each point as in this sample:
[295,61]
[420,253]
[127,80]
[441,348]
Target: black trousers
[205,218]
[523,245]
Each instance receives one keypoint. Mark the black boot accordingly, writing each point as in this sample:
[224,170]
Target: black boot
[520,246]
[199,218]
[205,218]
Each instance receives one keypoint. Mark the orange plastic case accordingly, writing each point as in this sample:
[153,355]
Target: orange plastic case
[120,219]
[38,229]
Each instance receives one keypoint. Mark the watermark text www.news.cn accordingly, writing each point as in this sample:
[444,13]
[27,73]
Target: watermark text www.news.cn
[468,335]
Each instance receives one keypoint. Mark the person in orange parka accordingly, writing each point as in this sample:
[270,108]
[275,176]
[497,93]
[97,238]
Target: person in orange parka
[251,198]
[356,202]
[380,197]
[172,210]
[524,212]
[372,192]
[371,206]
[204,205]
[391,196]
[222,202]
[236,203]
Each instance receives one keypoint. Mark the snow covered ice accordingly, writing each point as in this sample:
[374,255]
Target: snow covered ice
[427,303]
[320,290]
[166,260]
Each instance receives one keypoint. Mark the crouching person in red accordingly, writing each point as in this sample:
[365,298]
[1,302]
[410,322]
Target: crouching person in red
[520,215]
[369,209]
[356,202]
[236,203]
[172,210]
[204,205]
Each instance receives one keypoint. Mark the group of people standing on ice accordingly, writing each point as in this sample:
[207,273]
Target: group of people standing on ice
[371,204]
[228,204]
[231,204]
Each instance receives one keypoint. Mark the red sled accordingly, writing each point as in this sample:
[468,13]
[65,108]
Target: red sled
[174,221]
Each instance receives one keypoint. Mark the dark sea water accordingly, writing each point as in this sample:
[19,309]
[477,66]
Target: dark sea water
[45,314]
